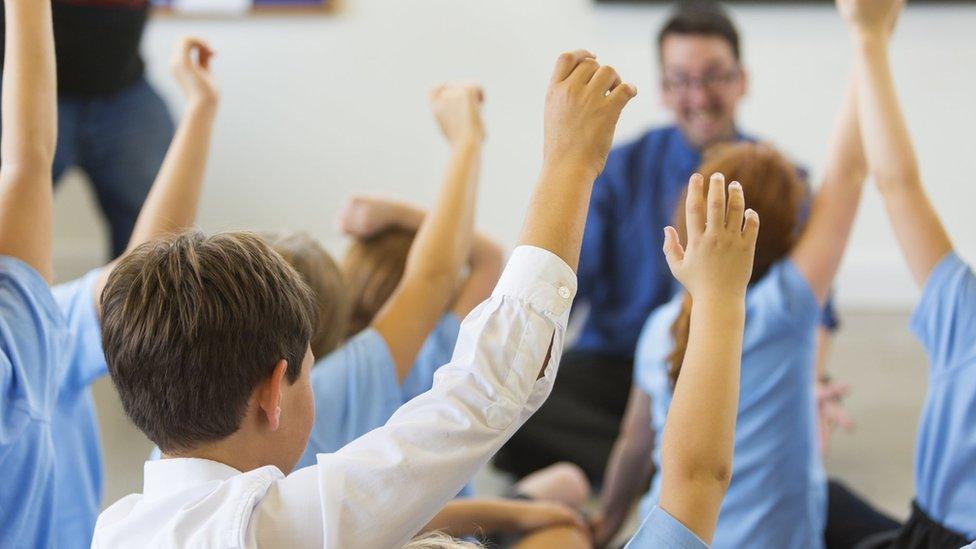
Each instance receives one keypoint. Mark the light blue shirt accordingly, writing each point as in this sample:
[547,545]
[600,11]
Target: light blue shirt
[356,387]
[661,530]
[32,339]
[78,461]
[945,455]
[777,497]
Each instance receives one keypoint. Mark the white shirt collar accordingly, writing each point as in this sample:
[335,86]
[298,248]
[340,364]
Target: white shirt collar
[167,476]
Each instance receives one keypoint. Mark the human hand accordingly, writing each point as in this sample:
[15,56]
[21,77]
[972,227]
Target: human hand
[363,216]
[717,260]
[190,65]
[830,410]
[457,108]
[874,16]
[583,105]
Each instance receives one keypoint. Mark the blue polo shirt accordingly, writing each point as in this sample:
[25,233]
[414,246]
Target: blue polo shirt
[32,340]
[660,529]
[777,497]
[945,455]
[356,389]
[78,462]
[622,273]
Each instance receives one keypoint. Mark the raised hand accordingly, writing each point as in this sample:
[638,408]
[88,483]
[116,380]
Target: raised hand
[190,65]
[871,15]
[364,215]
[457,108]
[717,260]
[582,108]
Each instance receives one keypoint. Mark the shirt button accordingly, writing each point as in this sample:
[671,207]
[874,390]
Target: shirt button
[564,292]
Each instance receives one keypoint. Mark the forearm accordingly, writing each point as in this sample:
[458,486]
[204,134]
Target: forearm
[557,210]
[29,138]
[443,239]
[699,434]
[628,470]
[470,517]
[172,204]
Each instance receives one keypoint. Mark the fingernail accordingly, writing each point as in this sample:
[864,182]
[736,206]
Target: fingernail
[735,185]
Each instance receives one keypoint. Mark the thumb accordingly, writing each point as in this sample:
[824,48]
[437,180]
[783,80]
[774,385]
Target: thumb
[673,251]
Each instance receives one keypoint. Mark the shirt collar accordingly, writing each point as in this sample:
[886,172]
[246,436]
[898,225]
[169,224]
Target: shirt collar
[167,476]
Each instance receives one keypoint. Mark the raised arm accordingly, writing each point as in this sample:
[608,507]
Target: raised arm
[888,146]
[582,108]
[820,249]
[171,206]
[443,241]
[29,136]
[364,216]
[699,433]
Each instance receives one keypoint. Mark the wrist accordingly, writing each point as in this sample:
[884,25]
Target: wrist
[722,303]
[869,36]
[406,216]
[202,105]
[569,171]
[467,143]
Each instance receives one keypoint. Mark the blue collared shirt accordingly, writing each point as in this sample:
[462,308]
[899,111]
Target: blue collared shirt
[945,454]
[662,530]
[777,497]
[78,462]
[32,339]
[622,272]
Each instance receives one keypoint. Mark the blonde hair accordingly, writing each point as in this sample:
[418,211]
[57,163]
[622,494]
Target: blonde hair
[440,540]
[373,268]
[320,272]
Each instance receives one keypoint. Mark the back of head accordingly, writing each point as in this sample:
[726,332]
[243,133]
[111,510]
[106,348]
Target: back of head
[773,189]
[439,540]
[192,324]
[373,268]
[320,272]
[703,18]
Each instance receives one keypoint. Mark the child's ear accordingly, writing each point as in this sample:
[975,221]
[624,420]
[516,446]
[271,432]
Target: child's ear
[269,394]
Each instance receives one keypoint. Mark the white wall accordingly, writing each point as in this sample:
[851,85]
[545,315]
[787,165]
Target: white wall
[315,108]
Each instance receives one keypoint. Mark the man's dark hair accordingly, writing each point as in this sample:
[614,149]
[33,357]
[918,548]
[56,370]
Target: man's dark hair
[191,325]
[701,17]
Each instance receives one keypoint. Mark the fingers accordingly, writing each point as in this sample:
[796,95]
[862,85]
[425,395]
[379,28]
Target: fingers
[566,62]
[737,205]
[183,54]
[584,71]
[716,202]
[751,229]
[605,79]
[673,251]
[695,207]
[622,94]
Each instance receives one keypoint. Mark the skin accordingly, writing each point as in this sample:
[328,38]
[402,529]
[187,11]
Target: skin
[705,116]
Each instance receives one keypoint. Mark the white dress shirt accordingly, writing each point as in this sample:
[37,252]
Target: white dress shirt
[382,488]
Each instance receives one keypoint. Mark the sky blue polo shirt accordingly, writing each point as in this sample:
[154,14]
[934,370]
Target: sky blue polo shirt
[777,497]
[356,387]
[945,455]
[32,340]
[622,273]
[662,530]
[78,462]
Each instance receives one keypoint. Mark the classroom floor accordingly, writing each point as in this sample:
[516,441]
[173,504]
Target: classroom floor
[873,352]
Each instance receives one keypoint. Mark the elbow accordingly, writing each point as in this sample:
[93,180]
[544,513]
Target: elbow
[892,179]
[713,475]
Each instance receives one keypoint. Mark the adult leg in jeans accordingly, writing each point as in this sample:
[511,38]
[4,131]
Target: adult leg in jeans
[124,139]
[851,519]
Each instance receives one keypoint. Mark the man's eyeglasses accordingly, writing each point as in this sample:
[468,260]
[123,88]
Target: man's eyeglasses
[711,81]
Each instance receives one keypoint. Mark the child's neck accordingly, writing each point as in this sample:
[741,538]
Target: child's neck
[240,451]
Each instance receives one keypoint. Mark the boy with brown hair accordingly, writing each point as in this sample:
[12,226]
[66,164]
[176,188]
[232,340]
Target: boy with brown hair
[207,341]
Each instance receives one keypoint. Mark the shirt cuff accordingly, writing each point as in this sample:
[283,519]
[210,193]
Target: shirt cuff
[540,278]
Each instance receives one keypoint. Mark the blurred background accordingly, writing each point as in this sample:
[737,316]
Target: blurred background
[318,105]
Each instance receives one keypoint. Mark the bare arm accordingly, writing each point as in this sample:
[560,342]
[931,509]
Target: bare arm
[171,206]
[699,433]
[471,517]
[889,149]
[582,108]
[443,241]
[29,135]
[628,468]
[820,249]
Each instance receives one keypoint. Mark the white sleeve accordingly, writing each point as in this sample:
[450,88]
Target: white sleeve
[382,488]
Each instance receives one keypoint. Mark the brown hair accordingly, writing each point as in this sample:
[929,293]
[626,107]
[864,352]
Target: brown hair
[700,17]
[373,268]
[192,324]
[773,189]
[320,272]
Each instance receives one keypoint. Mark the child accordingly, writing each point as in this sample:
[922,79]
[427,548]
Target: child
[207,340]
[714,267]
[944,510]
[170,207]
[32,330]
[778,493]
